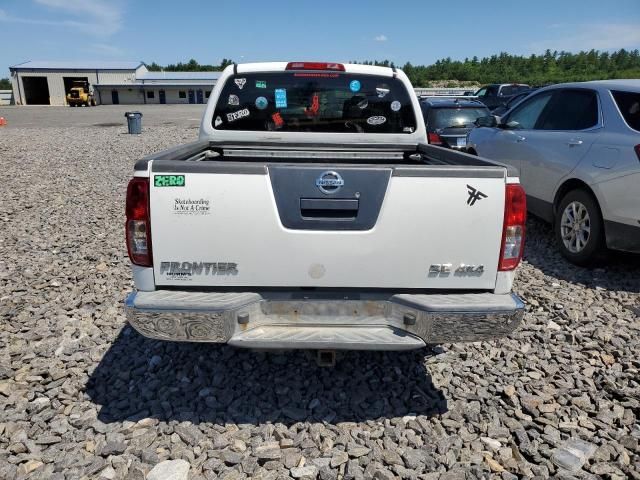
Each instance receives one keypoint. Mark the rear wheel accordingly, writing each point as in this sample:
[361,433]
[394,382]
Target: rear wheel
[579,228]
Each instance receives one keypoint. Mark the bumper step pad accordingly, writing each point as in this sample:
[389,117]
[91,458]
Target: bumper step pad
[320,337]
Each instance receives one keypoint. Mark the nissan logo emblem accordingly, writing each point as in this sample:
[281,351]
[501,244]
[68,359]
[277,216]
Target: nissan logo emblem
[329,182]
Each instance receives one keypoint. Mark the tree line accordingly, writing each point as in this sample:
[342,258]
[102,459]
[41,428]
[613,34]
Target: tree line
[550,67]
[190,66]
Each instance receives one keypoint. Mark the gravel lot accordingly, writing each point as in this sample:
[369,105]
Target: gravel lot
[82,395]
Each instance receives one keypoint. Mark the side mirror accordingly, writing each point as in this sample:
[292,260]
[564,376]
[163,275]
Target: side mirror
[490,121]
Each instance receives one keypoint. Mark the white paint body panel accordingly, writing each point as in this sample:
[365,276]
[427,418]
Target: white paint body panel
[423,221]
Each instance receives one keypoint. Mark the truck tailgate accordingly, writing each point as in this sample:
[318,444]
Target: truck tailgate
[225,224]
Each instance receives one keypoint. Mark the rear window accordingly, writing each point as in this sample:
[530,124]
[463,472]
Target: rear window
[629,105]
[454,117]
[508,90]
[314,102]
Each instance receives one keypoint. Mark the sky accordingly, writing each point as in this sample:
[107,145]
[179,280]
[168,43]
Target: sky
[419,32]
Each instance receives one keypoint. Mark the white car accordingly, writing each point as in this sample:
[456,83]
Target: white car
[577,147]
[313,214]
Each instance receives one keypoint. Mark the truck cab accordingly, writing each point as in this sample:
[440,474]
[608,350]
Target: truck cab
[498,94]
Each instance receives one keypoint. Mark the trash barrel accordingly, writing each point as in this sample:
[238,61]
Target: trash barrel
[134,122]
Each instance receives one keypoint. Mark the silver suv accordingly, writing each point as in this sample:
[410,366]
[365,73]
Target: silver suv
[577,146]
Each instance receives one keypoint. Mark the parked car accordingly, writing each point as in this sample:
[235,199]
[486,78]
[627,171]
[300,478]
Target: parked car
[496,94]
[312,214]
[577,146]
[512,102]
[449,120]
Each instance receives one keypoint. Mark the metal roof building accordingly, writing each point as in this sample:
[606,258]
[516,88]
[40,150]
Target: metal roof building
[49,82]
[161,87]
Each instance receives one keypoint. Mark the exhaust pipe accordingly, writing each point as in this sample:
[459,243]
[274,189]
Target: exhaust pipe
[326,358]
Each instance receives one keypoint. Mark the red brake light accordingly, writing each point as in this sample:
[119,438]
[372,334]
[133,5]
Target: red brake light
[515,217]
[434,138]
[637,149]
[138,227]
[336,67]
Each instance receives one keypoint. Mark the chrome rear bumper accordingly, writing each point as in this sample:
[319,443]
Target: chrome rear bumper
[362,321]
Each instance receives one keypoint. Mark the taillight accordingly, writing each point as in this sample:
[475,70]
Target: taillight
[637,149]
[515,217]
[138,222]
[337,67]
[434,138]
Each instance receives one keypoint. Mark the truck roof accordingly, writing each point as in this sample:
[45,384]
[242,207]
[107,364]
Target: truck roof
[281,66]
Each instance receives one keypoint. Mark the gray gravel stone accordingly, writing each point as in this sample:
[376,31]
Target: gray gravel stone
[170,470]
[339,458]
[308,472]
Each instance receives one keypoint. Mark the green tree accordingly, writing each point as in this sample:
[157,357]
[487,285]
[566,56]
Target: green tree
[5,84]
[191,66]
[550,67]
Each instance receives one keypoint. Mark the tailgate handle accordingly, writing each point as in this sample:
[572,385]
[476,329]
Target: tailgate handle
[330,209]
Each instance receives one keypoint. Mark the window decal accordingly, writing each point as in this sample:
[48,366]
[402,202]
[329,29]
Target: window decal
[376,120]
[233,116]
[261,103]
[281,98]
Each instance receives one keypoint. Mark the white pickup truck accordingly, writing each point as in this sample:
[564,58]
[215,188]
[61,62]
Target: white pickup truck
[312,213]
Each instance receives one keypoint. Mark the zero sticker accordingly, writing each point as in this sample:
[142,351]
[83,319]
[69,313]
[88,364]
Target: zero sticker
[277,119]
[395,105]
[377,120]
[233,116]
[240,82]
[382,92]
[217,122]
[234,100]
[261,103]
[354,86]
[168,181]
[281,97]
[261,84]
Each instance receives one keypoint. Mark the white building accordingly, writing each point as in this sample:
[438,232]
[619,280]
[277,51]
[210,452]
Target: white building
[47,83]
[160,87]
[6,97]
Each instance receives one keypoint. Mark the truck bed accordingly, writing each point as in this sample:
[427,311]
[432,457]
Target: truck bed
[251,153]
